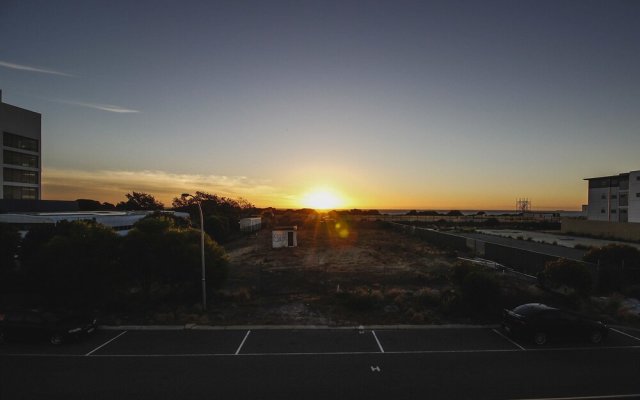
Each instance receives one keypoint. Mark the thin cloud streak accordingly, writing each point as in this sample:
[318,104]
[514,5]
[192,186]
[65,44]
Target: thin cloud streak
[112,185]
[101,107]
[28,68]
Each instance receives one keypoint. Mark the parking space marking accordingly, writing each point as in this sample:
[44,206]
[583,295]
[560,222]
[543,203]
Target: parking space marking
[626,334]
[242,344]
[377,341]
[332,353]
[606,396]
[105,343]
[503,336]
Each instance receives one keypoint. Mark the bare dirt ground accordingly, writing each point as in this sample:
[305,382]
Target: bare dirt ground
[338,275]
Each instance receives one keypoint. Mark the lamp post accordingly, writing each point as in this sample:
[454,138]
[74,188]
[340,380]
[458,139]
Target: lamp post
[204,275]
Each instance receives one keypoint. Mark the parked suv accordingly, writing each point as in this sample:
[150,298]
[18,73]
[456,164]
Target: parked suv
[542,323]
[42,325]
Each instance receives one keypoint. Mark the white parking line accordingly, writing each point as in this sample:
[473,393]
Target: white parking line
[364,353]
[624,333]
[242,344]
[606,396]
[377,341]
[503,336]
[104,344]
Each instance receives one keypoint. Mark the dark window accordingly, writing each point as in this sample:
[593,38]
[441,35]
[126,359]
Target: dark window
[21,176]
[613,197]
[623,211]
[602,211]
[604,197]
[637,194]
[23,160]
[19,193]
[613,211]
[599,183]
[19,142]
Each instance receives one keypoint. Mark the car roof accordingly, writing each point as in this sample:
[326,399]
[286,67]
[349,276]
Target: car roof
[532,308]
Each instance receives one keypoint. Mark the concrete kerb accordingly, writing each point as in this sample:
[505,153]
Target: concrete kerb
[289,327]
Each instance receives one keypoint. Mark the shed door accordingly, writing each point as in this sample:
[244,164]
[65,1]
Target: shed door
[290,239]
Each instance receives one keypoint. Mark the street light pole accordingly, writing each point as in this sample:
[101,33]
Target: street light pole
[204,275]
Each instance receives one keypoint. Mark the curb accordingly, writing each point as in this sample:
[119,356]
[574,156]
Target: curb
[289,327]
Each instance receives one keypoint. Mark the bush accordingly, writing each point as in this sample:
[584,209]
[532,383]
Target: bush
[461,270]
[361,299]
[618,266]
[158,252]
[77,265]
[480,288]
[570,273]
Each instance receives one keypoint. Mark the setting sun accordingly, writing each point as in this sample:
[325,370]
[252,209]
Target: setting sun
[322,199]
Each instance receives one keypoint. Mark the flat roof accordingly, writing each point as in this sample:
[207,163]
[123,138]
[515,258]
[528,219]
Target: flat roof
[608,177]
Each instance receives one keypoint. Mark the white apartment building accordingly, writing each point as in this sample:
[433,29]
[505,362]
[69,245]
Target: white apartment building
[615,198]
[20,158]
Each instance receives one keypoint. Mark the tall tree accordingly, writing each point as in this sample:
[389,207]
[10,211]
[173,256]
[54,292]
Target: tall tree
[140,201]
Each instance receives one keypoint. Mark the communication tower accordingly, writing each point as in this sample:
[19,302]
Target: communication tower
[523,206]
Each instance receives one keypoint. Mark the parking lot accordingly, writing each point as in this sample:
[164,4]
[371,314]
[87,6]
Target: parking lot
[448,362]
[304,341]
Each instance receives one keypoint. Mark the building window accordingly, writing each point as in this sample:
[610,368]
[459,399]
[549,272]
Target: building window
[19,142]
[623,211]
[602,211]
[20,193]
[613,211]
[638,194]
[613,197]
[22,160]
[20,176]
[604,197]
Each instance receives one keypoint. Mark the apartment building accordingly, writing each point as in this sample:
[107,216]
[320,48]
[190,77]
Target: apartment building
[615,198]
[20,159]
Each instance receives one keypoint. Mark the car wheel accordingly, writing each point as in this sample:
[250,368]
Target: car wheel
[56,339]
[595,337]
[540,338]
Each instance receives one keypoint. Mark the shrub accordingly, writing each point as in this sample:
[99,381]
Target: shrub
[570,273]
[361,299]
[461,270]
[618,266]
[427,296]
[480,288]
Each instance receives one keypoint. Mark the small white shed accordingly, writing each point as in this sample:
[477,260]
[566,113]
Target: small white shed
[250,224]
[284,236]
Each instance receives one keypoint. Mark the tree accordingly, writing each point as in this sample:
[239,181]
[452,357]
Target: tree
[618,266]
[78,264]
[93,205]
[573,274]
[158,253]
[9,244]
[221,214]
[140,201]
[455,213]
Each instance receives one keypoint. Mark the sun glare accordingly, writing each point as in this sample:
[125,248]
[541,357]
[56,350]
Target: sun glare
[322,199]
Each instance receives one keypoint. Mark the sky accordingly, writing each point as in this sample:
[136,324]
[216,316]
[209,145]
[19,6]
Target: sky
[373,104]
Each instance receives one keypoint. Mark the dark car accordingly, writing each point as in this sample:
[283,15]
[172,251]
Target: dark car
[42,325]
[542,323]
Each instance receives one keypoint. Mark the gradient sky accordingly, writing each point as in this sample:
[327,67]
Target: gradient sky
[390,104]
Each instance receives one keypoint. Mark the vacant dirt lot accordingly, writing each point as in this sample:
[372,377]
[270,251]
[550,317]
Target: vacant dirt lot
[337,275]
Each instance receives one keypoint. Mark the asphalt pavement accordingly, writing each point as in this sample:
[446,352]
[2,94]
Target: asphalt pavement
[433,363]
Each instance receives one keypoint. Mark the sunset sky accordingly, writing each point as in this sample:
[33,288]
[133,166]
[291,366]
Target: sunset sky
[378,104]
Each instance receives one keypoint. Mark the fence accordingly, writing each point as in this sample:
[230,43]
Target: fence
[521,260]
